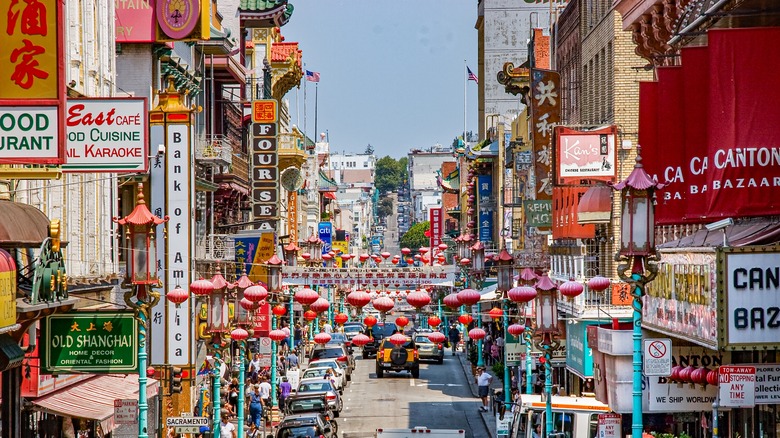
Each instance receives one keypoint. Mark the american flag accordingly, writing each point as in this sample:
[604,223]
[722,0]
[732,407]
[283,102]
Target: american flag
[472,76]
[312,76]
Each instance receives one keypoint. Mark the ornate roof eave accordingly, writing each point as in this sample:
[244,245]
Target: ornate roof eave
[516,80]
[264,13]
[286,75]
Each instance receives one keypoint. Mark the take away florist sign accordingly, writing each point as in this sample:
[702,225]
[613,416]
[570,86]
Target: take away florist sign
[107,135]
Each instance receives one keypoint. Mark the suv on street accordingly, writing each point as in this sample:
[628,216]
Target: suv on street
[311,424]
[333,351]
[377,333]
[391,357]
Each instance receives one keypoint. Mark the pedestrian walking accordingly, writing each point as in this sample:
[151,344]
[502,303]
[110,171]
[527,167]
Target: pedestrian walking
[226,428]
[256,406]
[327,328]
[483,383]
[265,391]
[297,334]
[285,388]
[292,360]
[454,338]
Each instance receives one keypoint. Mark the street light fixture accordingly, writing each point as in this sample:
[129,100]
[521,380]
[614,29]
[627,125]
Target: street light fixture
[547,337]
[636,259]
[142,276]
[274,288]
[217,325]
[504,282]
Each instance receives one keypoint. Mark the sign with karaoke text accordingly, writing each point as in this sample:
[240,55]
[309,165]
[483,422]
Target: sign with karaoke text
[107,135]
[89,342]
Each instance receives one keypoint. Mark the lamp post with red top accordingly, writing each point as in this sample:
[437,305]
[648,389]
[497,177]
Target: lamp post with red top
[141,271]
[274,289]
[636,258]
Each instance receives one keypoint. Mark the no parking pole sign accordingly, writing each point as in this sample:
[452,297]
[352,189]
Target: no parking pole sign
[737,387]
[657,355]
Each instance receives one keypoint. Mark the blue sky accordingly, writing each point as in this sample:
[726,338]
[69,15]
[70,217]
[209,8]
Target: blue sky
[391,71]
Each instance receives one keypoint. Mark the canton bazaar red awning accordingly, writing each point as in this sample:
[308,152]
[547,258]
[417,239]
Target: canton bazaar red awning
[94,398]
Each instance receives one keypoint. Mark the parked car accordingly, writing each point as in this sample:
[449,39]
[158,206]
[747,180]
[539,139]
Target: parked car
[343,366]
[318,385]
[378,332]
[319,372]
[309,424]
[391,357]
[333,351]
[427,349]
[297,404]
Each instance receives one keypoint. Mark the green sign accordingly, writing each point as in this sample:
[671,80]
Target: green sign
[538,213]
[89,342]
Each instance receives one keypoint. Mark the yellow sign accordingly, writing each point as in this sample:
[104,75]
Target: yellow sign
[265,250]
[28,55]
[7,298]
[264,111]
[341,247]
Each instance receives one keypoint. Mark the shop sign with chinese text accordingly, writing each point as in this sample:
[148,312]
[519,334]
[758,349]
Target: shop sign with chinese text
[667,396]
[437,226]
[107,135]
[545,114]
[89,342]
[588,155]
[33,61]
[681,301]
[400,277]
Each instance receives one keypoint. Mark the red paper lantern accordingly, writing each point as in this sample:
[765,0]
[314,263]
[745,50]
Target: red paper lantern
[402,321]
[598,283]
[434,321]
[712,377]
[465,319]
[341,318]
[685,374]
[358,298]
[239,334]
[468,297]
[398,339]
[277,335]
[418,299]
[360,340]
[369,320]
[383,304]
[516,329]
[442,247]
[201,287]
[385,255]
[320,306]
[675,376]
[178,295]
[364,257]
[322,338]
[571,289]
[496,313]
[477,333]
[310,315]
[699,376]
[394,261]
[279,310]
[451,301]
[306,296]
[436,337]
[522,294]
[406,251]
[248,305]
[465,261]
[306,256]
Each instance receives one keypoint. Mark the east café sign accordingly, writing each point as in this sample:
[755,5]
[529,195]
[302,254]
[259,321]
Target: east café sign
[265,170]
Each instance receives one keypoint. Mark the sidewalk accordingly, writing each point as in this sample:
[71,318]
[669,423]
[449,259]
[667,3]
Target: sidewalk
[487,417]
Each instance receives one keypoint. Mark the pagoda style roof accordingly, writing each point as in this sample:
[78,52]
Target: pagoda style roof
[264,13]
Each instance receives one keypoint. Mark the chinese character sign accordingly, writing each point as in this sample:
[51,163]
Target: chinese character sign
[437,226]
[29,63]
[545,115]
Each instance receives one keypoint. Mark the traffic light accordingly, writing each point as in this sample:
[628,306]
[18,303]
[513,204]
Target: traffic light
[175,382]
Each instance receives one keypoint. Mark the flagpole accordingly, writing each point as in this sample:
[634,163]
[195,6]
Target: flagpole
[304,106]
[465,106]
[316,88]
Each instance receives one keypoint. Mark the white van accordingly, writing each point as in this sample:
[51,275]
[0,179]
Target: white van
[573,417]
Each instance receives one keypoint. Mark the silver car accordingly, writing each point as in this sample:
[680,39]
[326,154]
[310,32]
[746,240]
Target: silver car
[427,349]
[320,385]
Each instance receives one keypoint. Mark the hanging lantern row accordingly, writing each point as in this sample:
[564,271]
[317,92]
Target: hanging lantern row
[434,321]
[516,329]
[341,318]
[691,374]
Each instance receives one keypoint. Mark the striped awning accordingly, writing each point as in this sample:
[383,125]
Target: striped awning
[94,398]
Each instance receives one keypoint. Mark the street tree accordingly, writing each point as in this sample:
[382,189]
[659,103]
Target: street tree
[415,237]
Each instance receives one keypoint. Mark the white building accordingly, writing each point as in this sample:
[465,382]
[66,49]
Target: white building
[424,167]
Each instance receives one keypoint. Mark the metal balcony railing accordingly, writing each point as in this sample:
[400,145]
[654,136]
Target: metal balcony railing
[215,247]
[215,150]
[289,141]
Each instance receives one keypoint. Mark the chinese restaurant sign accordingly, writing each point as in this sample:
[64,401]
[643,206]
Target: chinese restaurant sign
[94,342]
[682,301]
[585,155]
[134,21]
[107,135]
[545,114]
[32,90]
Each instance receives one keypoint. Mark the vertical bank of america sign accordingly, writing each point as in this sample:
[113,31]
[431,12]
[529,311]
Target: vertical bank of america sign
[32,84]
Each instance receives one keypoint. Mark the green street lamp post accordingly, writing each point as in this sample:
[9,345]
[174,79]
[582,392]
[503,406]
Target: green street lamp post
[547,338]
[636,258]
[274,288]
[141,270]
[504,281]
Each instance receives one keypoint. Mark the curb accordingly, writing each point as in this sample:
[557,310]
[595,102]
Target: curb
[487,417]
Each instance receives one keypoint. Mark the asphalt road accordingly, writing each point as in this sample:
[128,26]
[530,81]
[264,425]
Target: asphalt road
[439,399]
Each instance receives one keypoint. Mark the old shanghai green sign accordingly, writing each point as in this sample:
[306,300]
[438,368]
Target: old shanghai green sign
[89,342]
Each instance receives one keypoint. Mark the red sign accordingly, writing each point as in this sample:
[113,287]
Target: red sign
[708,129]
[134,21]
[585,155]
[263,320]
[436,218]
